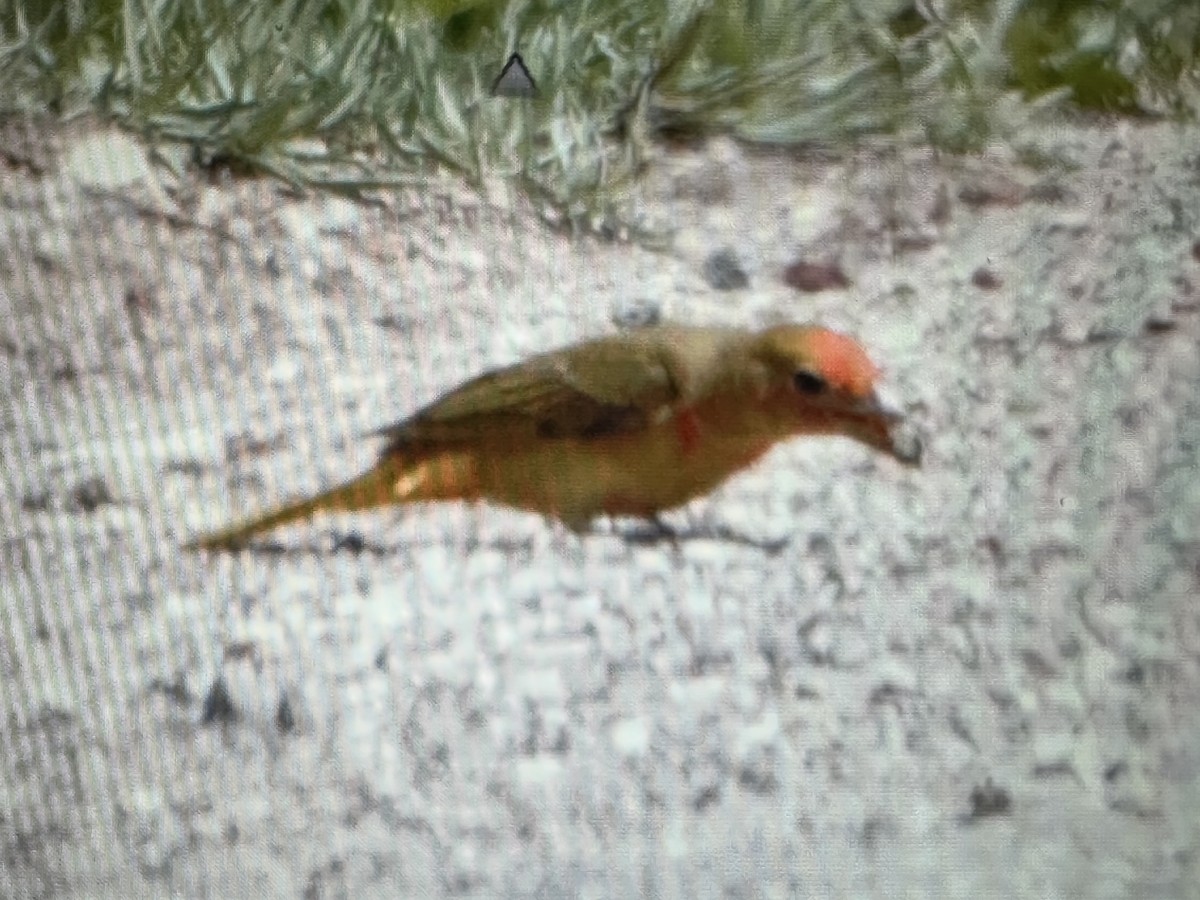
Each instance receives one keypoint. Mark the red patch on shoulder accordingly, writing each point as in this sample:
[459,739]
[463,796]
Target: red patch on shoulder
[687,427]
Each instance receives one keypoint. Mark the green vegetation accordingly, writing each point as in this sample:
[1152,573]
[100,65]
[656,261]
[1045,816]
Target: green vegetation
[350,95]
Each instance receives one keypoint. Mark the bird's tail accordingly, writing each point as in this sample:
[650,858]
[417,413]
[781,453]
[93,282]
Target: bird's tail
[377,487]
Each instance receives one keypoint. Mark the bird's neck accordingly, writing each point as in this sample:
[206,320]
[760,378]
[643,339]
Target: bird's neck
[728,425]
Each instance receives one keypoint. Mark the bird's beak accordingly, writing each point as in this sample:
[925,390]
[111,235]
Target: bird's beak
[880,425]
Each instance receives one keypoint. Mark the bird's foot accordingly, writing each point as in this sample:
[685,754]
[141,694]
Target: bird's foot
[658,530]
[655,531]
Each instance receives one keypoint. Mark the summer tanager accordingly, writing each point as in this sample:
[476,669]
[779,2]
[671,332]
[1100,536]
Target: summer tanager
[630,424]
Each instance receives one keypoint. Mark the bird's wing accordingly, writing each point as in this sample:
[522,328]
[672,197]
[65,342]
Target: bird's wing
[597,389]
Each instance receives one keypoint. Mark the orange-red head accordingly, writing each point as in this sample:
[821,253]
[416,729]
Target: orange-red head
[827,384]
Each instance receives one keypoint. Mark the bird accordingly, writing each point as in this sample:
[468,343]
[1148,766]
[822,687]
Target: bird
[630,424]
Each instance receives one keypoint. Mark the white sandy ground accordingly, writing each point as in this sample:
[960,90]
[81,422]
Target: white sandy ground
[979,679]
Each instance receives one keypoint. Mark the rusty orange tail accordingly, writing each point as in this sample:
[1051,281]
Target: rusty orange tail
[374,488]
[392,480]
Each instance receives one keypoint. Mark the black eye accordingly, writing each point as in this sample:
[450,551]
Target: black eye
[808,383]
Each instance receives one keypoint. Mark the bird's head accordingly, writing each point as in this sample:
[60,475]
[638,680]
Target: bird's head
[826,384]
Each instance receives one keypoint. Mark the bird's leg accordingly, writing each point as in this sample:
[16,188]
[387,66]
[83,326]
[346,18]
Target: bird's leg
[566,533]
[658,530]
[663,527]
[580,525]
[694,527]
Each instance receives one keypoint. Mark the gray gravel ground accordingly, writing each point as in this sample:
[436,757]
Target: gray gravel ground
[979,679]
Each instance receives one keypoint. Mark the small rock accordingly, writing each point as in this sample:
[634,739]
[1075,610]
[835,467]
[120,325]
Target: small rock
[758,778]
[1127,789]
[639,313]
[907,243]
[840,645]
[218,705]
[1158,323]
[989,799]
[1053,754]
[757,752]
[341,216]
[1048,192]
[705,796]
[52,250]
[704,777]
[37,501]
[284,371]
[985,279]
[723,271]
[940,211]
[907,443]
[894,674]
[107,161]
[244,445]
[285,718]
[154,829]
[90,494]
[631,737]
[301,227]
[812,214]
[707,184]
[812,277]
[994,191]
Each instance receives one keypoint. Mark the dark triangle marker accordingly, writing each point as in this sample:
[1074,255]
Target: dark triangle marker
[514,80]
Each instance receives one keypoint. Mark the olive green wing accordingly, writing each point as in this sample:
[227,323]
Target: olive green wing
[596,389]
